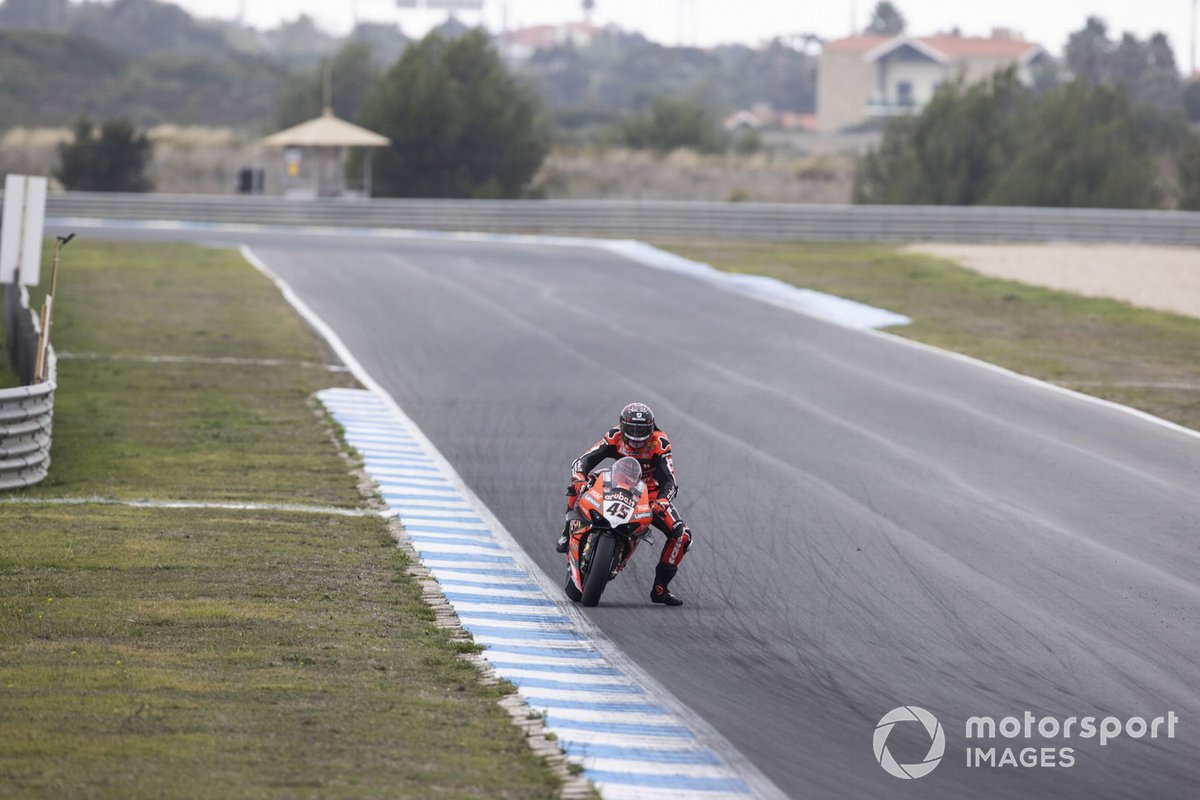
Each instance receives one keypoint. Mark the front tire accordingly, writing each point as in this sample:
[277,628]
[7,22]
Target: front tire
[570,589]
[599,569]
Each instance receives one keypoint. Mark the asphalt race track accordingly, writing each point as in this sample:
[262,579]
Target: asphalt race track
[877,524]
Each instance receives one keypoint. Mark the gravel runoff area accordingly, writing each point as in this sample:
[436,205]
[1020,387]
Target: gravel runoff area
[1162,278]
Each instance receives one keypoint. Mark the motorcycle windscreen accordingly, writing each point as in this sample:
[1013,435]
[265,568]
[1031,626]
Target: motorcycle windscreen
[626,473]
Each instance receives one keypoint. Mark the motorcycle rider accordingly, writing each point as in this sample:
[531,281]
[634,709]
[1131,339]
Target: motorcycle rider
[636,435]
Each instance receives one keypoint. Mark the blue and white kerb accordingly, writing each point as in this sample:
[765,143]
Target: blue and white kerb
[630,745]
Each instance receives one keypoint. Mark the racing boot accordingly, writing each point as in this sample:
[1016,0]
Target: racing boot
[663,574]
[561,547]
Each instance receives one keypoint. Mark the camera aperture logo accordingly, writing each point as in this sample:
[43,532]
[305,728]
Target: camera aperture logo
[1048,740]
[937,742]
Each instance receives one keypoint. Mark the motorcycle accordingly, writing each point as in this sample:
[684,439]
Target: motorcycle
[611,516]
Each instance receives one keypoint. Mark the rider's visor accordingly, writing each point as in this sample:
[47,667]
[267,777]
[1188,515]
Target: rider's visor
[637,433]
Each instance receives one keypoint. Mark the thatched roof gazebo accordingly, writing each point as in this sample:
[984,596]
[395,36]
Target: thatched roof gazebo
[326,136]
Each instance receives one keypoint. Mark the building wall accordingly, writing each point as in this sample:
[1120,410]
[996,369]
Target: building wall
[979,69]
[844,84]
[924,76]
[847,83]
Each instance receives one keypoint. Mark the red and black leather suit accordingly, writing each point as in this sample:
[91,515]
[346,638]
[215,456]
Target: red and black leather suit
[658,472]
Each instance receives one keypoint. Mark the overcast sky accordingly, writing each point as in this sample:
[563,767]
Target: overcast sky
[707,22]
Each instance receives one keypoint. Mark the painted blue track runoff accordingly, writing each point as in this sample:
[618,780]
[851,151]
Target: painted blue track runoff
[546,619]
[642,754]
[437,555]
[628,745]
[464,597]
[545,652]
[579,705]
[508,587]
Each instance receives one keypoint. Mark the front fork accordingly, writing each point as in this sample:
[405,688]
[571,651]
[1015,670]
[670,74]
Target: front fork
[578,533]
[582,541]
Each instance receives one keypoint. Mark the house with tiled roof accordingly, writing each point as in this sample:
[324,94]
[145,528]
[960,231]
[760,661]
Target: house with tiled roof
[520,44]
[867,77]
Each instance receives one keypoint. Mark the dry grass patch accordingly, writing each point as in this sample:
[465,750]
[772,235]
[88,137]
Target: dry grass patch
[686,175]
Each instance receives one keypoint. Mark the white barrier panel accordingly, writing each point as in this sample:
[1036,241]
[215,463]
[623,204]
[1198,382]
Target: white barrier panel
[26,412]
[21,237]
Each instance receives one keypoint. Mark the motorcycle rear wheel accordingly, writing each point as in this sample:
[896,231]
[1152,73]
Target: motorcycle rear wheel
[598,569]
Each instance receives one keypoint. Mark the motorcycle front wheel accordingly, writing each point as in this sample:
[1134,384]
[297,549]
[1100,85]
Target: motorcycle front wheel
[572,591]
[599,568]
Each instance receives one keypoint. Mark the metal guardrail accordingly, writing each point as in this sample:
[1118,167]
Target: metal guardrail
[656,219]
[26,412]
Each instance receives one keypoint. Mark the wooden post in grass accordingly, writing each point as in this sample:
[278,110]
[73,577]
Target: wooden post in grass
[48,313]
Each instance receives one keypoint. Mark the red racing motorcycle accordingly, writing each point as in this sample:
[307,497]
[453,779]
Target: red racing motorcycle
[611,516]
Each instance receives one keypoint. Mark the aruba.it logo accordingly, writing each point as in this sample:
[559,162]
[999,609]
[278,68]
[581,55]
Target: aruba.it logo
[937,742]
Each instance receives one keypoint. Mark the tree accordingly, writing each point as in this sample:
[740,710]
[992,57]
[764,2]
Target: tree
[353,73]
[1189,174]
[460,124]
[40,14]
[886,20]
[1088,52]
[141,27]
[992,144]
[1145,70]
[1129,62]
[1160,54]
[891,172]
[671,124]
[387,41]
[1081,147]
[301,41]
[1191,100]
[114,161]
[1044,75]
[954,151]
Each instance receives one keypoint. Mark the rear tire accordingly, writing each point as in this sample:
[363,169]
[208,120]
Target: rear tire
[598,569]
[570,590]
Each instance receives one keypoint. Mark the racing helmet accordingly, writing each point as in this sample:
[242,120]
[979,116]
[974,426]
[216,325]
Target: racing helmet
[637,423]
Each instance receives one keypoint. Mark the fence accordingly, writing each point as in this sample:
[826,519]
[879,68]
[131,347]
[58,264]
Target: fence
[26,412]
[656,219]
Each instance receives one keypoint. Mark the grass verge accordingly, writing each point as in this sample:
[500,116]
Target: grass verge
[214,653]
[1149,360]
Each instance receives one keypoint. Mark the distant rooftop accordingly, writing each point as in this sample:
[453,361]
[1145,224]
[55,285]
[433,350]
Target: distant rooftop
[326,131]
[949,48]
[525,41]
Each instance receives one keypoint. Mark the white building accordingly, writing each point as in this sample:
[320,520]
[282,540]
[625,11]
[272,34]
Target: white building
[865,77]
[521,44]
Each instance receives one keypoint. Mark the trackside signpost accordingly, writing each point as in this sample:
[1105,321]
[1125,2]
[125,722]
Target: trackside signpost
[48,311]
